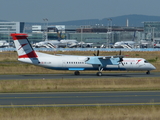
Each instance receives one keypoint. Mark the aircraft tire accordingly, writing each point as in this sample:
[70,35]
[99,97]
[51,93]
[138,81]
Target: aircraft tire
[99,74]
[148,72]
[76,73]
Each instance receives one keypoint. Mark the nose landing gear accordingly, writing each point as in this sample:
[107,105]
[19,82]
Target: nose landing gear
[148,72]
[100,71]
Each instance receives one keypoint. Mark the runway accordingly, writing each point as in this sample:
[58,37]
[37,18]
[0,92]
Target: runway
[61,99]
[72,76]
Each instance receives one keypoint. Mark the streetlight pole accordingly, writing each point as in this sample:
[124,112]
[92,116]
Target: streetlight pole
[81,35]
[46,33]
[109,31]
[9,37]
[153,41]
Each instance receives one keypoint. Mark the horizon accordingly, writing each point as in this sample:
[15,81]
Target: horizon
[72,10]
[83,19]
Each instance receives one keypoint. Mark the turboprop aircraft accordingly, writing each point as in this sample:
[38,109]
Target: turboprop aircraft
[76,63]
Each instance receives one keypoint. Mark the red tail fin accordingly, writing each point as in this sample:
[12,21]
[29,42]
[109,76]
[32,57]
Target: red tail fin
[23,46]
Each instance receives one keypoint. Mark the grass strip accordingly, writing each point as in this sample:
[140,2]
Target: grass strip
[150,112]
[10,65]
[80,84]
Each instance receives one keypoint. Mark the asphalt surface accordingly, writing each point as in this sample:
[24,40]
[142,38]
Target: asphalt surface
[62,99]
[72,76]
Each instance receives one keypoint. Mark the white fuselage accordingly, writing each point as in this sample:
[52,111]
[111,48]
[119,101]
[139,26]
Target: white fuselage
[69,62]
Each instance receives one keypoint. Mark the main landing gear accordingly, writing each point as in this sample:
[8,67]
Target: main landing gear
[76,73]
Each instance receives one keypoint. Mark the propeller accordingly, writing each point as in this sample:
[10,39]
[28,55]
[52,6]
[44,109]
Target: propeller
[121,57]
[97,54]
[120,52]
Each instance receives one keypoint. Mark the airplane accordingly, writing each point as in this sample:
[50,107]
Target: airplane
[47,44]
[124,44]
[69,43]
[4,43]
[76,63]
[57,43]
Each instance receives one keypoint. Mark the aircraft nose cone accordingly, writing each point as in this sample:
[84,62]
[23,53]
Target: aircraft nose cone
[152,67]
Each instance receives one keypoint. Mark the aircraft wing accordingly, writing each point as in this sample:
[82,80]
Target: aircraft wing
[104,60]
[108,57]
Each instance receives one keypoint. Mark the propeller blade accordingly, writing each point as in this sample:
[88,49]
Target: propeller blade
[120,53]
[97,52]
[121,57]
[121,63]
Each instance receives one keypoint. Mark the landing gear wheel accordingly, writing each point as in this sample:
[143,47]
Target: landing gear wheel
[99,74]
[76,73]
[148,72]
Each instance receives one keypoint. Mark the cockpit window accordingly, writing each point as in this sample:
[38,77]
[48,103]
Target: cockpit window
[146,61]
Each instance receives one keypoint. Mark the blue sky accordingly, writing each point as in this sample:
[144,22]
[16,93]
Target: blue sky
[66,10]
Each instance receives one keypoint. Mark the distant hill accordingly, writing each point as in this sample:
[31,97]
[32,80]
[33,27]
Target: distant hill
[134,20]
[3,21]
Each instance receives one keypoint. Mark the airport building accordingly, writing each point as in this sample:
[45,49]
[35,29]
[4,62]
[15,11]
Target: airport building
[106,35]
[10,27]
[36,29]
[152,30]
[91,34]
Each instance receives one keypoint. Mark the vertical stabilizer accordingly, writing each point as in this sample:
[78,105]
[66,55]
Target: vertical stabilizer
[23,47]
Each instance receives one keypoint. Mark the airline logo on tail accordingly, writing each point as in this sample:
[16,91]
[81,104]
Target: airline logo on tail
[23,46]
